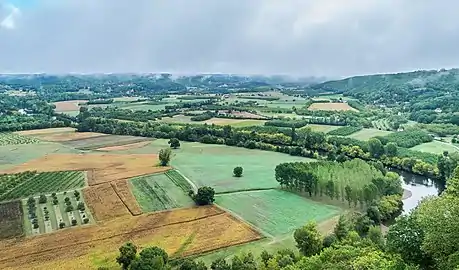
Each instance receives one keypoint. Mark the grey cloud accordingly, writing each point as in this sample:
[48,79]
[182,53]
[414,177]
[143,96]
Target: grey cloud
[298,37]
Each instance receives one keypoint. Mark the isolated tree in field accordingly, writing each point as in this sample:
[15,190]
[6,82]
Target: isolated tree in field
[164,156]
[375,147]
[204,196]
[238,171]
[174,143]
[308,239]
[128,252]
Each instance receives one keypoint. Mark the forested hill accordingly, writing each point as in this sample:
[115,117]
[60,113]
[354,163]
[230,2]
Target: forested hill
[418,92]
[139,84]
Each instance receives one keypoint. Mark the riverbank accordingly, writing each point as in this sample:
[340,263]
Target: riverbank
[406,194]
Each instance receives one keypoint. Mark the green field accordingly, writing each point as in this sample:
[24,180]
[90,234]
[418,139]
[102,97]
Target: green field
[12,155]
[212,165]
[21,185]
[321,128]
[15,139]
[178,119]
[159,192]
[145,107]
[436,147]
[275,212]
[368,133]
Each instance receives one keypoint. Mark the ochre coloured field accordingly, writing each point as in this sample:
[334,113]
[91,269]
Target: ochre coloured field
[104,202]
[331,106]
[102,167]
[124,147]
[68,106]
[180,232]
[121,188]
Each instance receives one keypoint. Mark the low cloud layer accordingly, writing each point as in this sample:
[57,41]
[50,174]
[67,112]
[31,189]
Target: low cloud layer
[297,37]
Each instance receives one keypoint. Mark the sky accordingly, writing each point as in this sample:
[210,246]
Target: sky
[332,38]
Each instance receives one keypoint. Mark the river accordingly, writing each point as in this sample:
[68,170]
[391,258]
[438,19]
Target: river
[419,186]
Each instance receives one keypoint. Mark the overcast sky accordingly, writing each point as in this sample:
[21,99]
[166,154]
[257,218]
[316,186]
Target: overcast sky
[297,37]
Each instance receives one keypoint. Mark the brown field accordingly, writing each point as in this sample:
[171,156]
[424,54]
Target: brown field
[96,142]
[332,106]
[68,106]
[124,147]
[45,131]
[102,167]
[68,136]
[121,188]
[180,232]
[104,202]
[11,217]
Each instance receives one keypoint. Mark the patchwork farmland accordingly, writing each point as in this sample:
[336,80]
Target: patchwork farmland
[124,195]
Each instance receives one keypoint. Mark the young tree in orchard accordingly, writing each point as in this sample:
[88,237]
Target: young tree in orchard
[164,156]
[128,252]
[204,196]
[308,239]
[174,143]
[238,171]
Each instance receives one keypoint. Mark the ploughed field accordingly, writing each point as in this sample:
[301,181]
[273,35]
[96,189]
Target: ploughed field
[180,232]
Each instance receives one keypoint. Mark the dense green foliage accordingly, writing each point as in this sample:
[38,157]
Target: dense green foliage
[355,181]
[441,130]
[407,138]
[429,96]
[344,131]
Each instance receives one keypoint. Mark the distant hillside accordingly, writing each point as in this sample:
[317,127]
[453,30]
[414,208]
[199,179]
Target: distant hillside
[420,92]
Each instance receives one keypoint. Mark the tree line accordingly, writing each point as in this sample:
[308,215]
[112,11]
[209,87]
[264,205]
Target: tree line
[304,142]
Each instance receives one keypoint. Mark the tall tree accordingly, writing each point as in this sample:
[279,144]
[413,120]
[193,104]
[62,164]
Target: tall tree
[174,143]
[308,239]
[375,147]
[128,253]
[164,156]
[342,228]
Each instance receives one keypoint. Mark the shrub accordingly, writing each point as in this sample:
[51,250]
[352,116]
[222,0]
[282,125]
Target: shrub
[76,194]
[74,222]
[238,171]
[61,224]
[69,208]
[55,201]
[35,226]
[86,220]
[67,199]
[204,196]
[80,206]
